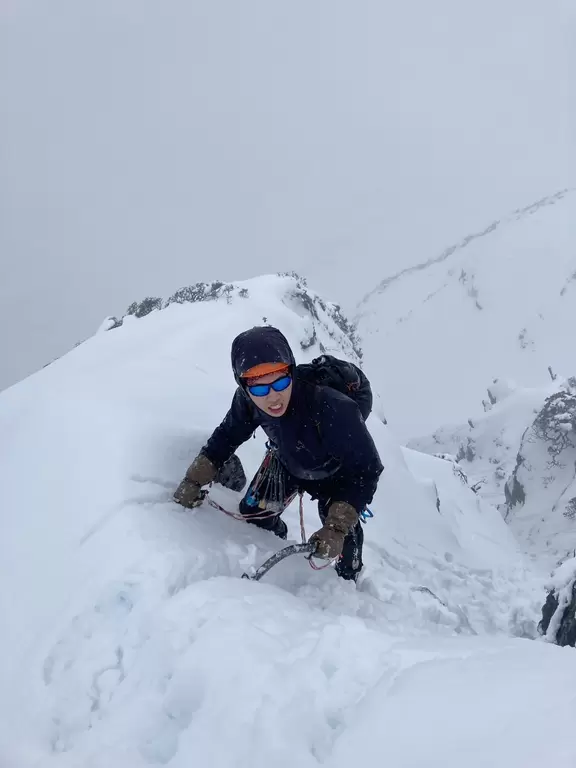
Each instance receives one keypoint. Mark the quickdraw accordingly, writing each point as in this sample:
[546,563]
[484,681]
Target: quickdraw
[366,515]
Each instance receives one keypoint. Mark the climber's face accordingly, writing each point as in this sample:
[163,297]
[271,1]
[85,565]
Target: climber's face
[271,393]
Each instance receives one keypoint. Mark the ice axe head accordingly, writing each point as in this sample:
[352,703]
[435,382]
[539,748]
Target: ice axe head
[282,554]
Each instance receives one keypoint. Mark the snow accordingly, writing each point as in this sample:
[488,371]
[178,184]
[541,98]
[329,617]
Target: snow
[491,710]
[106,325]
[130,640]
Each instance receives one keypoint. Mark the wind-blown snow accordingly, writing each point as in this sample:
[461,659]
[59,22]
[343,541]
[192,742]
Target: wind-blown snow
[129,639]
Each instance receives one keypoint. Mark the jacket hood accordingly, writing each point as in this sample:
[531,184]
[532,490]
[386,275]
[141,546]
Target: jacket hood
[261,344]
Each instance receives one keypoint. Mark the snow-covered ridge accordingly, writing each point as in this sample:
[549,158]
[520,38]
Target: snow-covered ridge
[290,288]
[498,305]
[516,215]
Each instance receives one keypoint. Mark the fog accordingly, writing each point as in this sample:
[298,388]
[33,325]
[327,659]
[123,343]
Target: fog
[149,145]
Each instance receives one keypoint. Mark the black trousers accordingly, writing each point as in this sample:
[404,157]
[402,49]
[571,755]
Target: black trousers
[281,492]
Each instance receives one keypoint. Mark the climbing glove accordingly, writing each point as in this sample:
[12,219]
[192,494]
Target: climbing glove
[200,472]
[329,540]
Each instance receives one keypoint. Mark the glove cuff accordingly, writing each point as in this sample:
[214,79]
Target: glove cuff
[341,517]
[201,471]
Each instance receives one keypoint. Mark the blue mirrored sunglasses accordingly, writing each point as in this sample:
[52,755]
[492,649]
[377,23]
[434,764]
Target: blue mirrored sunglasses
[261,390]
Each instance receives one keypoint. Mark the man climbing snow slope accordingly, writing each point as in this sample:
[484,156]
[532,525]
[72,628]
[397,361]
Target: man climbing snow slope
[318,443]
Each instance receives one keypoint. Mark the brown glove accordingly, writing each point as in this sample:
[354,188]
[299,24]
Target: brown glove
[200,472]
[329,539]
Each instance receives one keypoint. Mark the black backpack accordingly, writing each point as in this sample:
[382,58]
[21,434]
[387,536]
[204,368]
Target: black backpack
[347,378]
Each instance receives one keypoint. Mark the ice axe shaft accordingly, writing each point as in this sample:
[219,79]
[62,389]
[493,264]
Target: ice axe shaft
[293,549]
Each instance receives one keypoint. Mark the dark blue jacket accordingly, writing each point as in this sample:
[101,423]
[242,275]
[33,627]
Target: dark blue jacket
[322,434]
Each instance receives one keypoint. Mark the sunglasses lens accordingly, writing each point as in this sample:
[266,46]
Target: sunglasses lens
[261,390]
[281,384]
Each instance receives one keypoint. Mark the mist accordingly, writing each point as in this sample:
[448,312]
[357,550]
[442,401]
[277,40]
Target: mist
[149,145]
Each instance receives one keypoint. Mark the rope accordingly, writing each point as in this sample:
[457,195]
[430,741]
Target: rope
[303,535]
[302,528]
[237,516]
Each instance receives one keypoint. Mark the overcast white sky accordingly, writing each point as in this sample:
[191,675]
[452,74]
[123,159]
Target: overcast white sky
[148,145]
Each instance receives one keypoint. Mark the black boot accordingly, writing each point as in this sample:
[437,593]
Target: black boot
[269,522]
[274,524]
[280,529]
[350,564]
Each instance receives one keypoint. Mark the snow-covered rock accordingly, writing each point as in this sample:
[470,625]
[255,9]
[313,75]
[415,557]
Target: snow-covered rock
[541,493]
[290,288]
[521,456]
[558,622]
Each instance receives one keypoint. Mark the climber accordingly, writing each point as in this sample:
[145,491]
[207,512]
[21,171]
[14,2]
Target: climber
[318,443]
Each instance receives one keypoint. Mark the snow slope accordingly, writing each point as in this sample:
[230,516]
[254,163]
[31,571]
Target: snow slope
[486,446]
[498,304]
[129,639]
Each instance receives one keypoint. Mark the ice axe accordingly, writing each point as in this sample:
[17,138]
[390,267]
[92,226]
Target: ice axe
[306,548]
[282,554]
